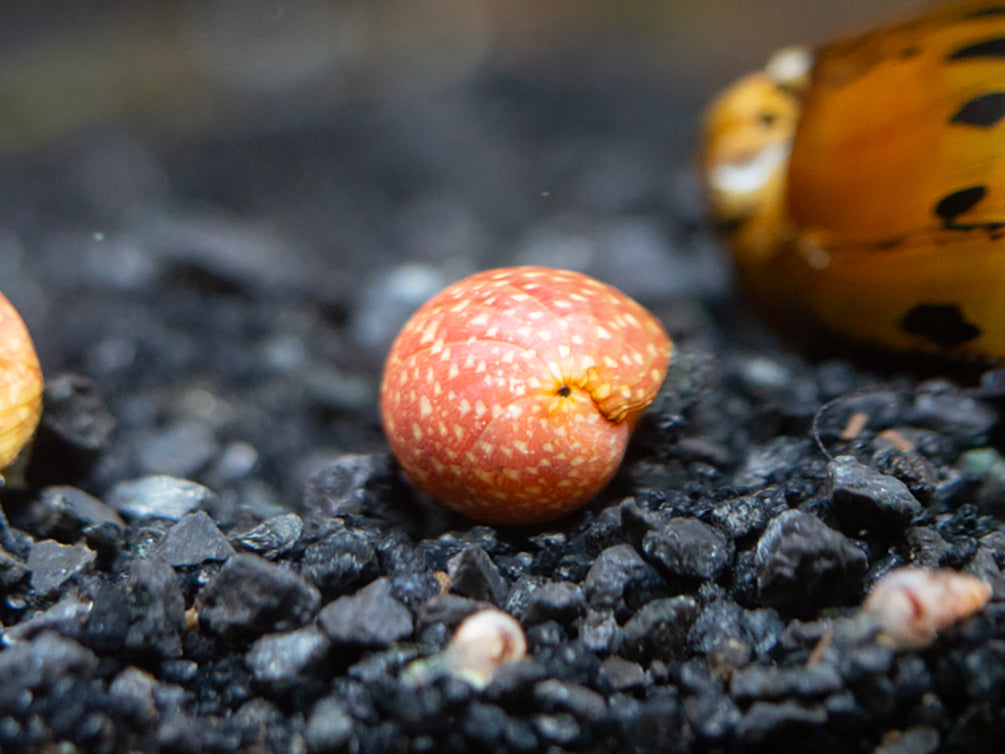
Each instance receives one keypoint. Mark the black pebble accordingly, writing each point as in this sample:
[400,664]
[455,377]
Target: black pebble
[340,562]
[193,540]
[52,564]
[250,597]
[863,498]
[76,428]
[473,574]
[687,549]
[370,618]
[803,565]
[283,660]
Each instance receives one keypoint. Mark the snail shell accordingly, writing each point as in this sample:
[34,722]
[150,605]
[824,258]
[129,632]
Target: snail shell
[510,396]
[482,643]
[20,384]
[912,605]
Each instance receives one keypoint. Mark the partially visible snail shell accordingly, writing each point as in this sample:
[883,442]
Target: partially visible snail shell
[911,605]
[20,385]
[861,186]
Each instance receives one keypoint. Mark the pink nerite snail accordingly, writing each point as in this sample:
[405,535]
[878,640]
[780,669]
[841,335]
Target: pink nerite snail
[510,396]
[20,385]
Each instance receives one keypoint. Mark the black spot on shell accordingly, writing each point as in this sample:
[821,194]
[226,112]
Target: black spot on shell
[988,48]
[955,204]
[984,111]
[994,10]
[943,324]
[767,118]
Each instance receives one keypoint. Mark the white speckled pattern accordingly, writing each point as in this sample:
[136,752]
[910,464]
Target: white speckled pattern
[510,396]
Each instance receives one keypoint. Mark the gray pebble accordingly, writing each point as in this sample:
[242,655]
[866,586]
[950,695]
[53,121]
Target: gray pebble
[158,496]
[950,412]
[63,512]
[41,665]
[273,537]
[329,728]
[616,570]
[660,628]
[280,659]
[250,597]
[771,462]
[560,728]
[76,428]
[347,485]
[911,467]
[371,618]
[686,548]
[52,564]
[928,548]
[766,719]
[341,561]
[740,516]
[553,695]
[65,617]
[133,691]
[156,609]
[802,564]
[724,627]
[863,498]
[987,466]
[599,631]
[195,539]
[560,601]
[473,574]
[622,674]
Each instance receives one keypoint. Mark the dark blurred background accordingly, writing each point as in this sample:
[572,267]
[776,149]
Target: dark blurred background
[362,154]
[174,67]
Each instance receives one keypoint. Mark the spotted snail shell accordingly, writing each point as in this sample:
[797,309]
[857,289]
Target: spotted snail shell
[510,396]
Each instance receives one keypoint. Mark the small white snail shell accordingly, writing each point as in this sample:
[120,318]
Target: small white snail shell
[482,642]
[911,605]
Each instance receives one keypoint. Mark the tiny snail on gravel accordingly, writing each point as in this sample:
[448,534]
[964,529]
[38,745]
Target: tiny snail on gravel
[482,643]
[20,386]
[510,396]
[911,605]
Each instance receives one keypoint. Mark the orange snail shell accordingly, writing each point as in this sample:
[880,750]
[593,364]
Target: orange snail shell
[510,396]
[861,186]
[20,384]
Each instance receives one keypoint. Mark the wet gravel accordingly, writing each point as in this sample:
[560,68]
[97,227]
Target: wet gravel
[214,552]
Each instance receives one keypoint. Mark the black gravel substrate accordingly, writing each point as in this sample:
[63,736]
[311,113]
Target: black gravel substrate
[214,552]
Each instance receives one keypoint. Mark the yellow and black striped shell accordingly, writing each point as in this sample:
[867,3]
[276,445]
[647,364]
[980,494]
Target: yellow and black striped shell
[862,186]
